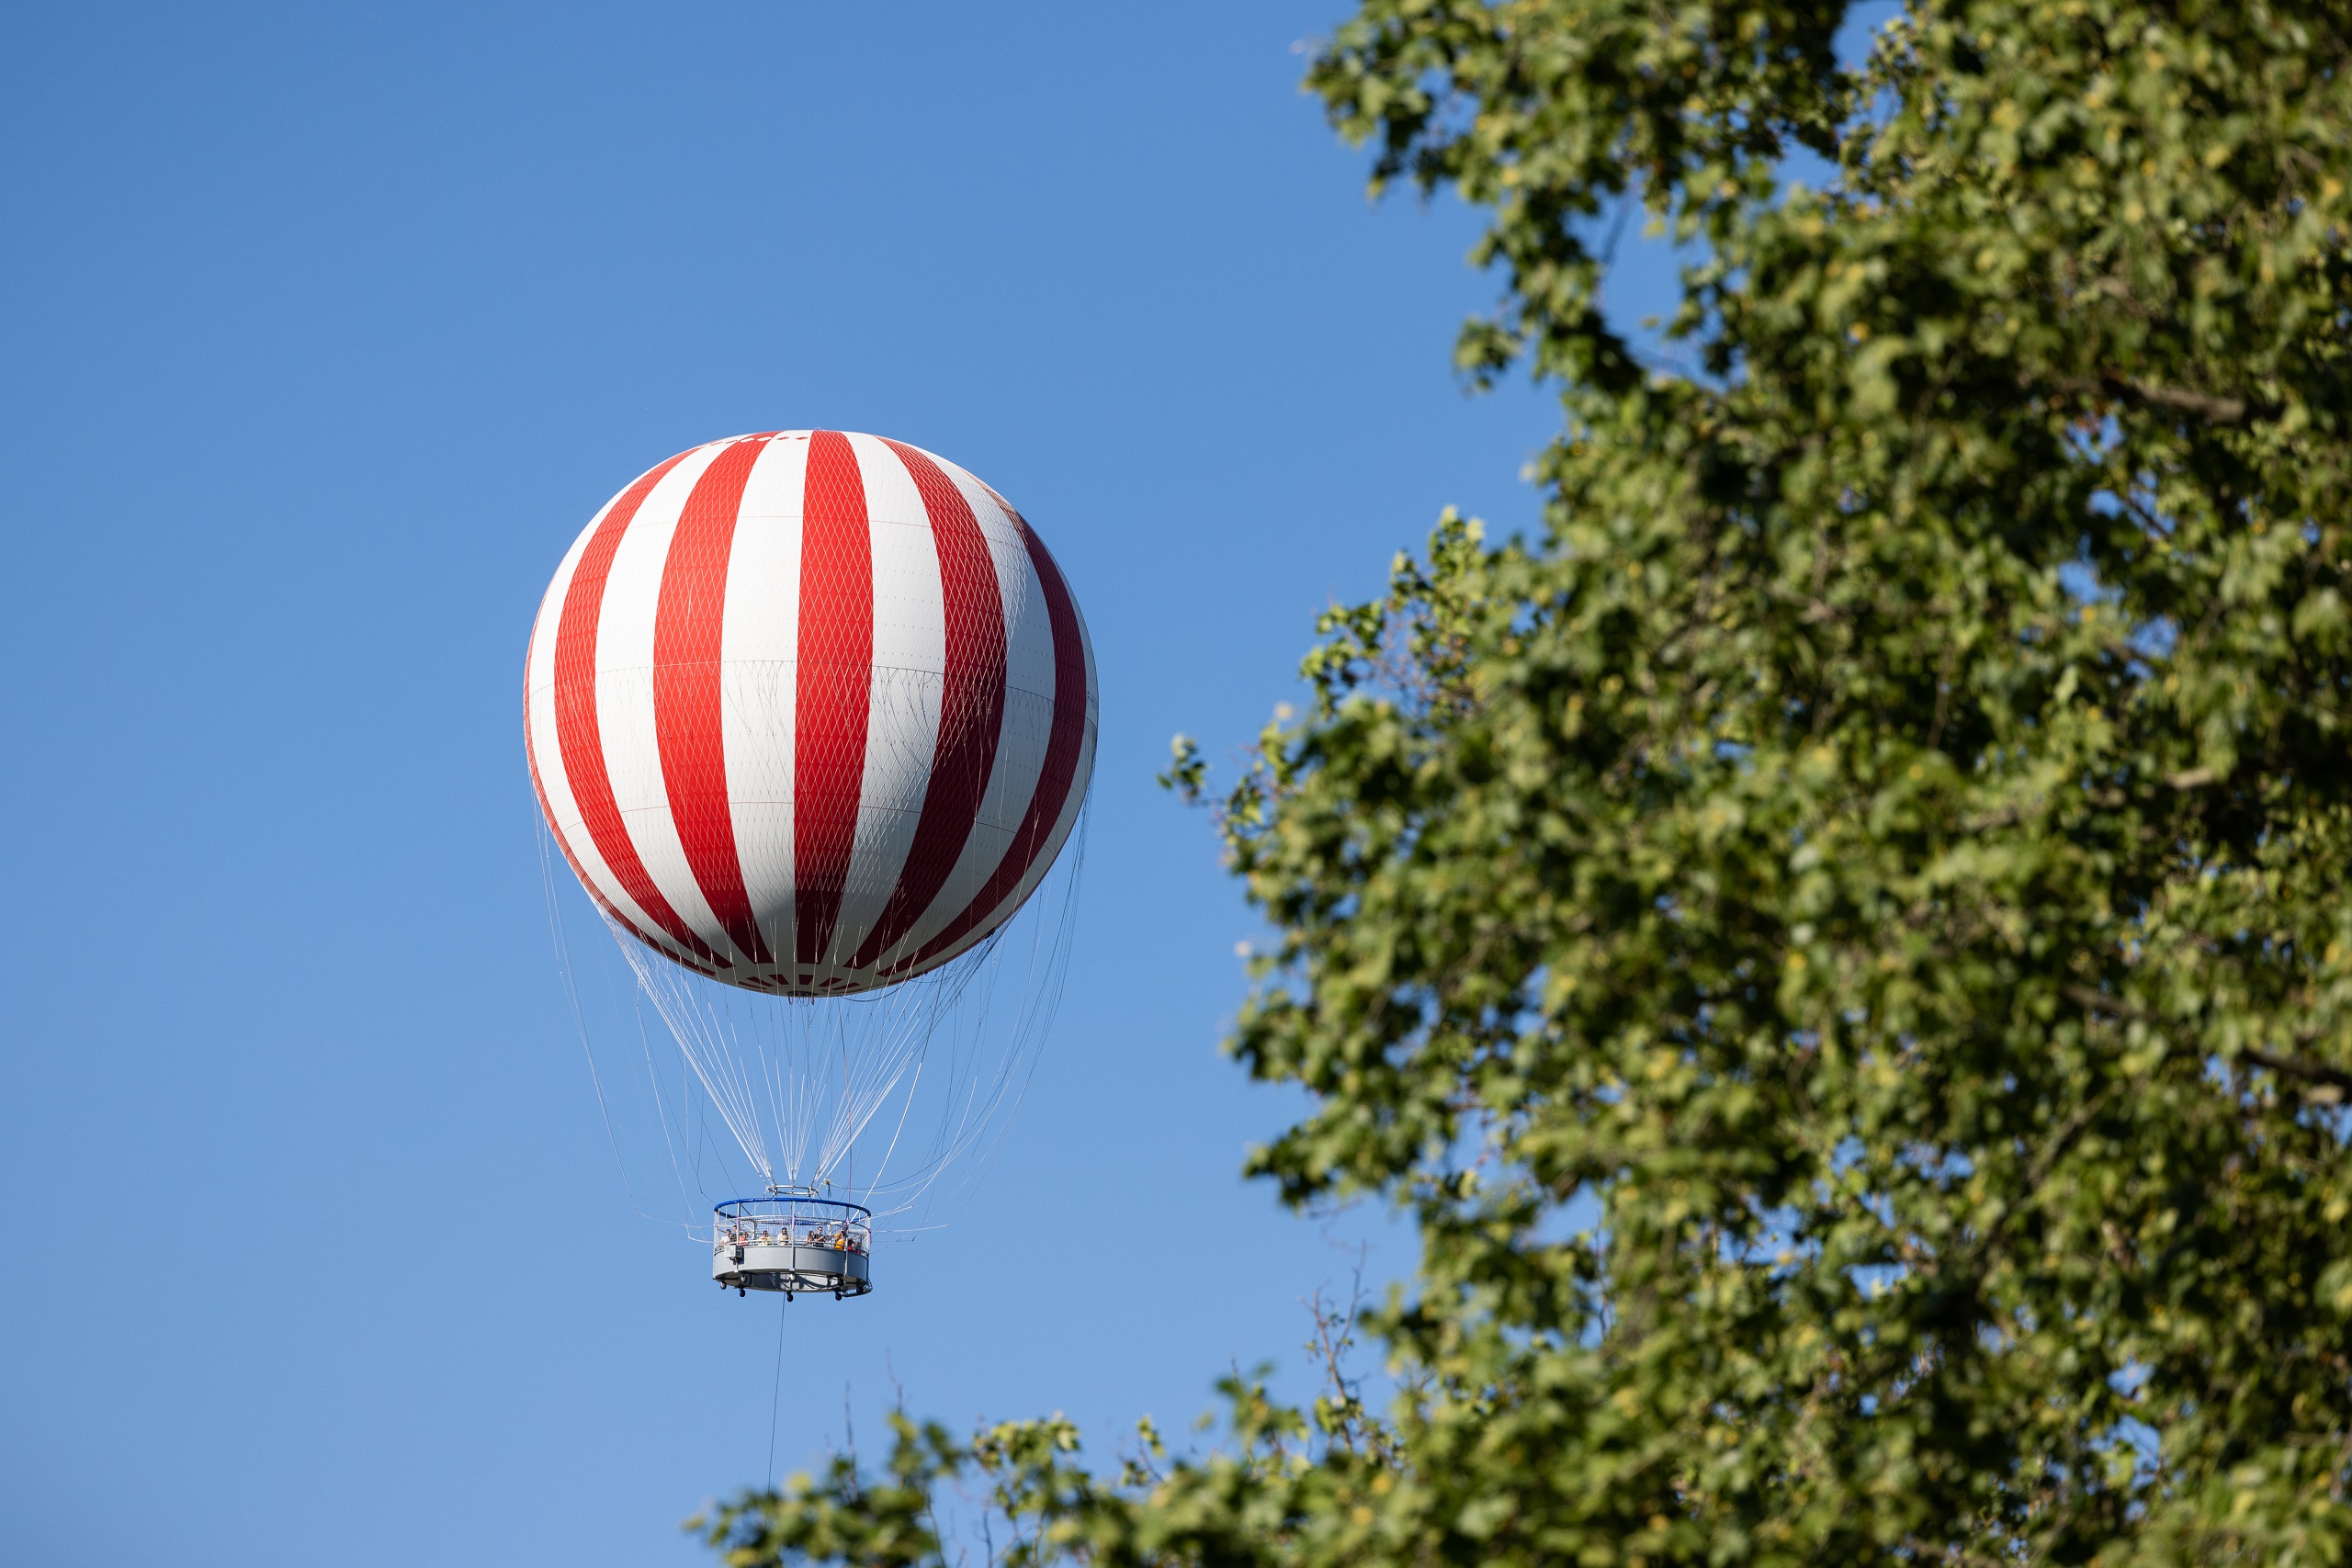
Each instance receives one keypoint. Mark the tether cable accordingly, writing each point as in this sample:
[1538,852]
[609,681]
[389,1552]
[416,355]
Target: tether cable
[775,1400]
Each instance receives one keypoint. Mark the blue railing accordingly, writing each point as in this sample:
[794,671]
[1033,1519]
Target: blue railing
[791,1220]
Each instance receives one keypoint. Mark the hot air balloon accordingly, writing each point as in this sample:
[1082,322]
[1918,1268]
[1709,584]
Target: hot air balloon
[811,715]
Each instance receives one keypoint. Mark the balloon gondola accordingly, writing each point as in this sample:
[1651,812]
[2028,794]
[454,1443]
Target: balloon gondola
[791,1241]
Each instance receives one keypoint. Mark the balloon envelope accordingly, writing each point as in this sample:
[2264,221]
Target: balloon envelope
[810,712]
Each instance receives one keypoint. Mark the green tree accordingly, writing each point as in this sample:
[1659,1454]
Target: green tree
[1878,862]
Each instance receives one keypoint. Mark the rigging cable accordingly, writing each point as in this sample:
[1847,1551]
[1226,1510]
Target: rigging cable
[579,1019]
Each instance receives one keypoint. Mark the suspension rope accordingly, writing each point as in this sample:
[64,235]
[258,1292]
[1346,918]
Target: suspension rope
[794,1084]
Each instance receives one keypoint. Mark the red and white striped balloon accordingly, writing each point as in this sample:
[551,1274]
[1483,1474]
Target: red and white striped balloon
[810,712]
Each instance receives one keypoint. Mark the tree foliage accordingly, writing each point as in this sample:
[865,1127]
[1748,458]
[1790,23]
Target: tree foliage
[1842,943]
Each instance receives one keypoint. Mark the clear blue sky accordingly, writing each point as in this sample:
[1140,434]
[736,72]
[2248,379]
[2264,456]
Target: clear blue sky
[326,328]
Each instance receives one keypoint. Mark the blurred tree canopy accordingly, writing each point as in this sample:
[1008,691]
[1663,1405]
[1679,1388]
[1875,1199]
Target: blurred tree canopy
[1842,944]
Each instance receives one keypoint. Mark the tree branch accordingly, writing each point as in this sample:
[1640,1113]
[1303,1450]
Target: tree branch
[2211,407]
[2334,1081]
